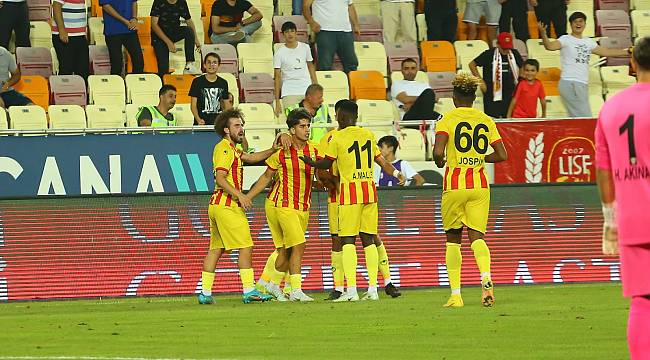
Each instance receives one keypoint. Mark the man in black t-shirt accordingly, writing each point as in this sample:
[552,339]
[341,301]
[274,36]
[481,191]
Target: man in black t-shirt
[227,23]
[209,92]
[167,30]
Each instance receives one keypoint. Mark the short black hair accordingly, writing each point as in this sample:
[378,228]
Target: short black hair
[289,25]
[641,53]
[223,120]
[214,55]
[313,88]
[339,103]
[407,60]
[532,62]
[165,88]
[295,115]
[347,109]
[389,140]
[577,15]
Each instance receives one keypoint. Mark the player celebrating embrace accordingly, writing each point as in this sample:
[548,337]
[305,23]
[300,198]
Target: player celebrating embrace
[464,135]
[228,223]
[354,149]
[623,175]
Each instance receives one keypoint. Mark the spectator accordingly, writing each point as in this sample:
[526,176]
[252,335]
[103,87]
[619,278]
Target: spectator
[209,92]
[313,103]
[167,30]
[500,75]
[575,51]
[227,23]
[69,37]
[8,96]
[442,19]
[414,99]
[14,17]
[159,115]
[120,29]
[517,12]
[474,9]
[398,15]
[388,146]
[333,22]
[524,103]
[294,69]
[551,12]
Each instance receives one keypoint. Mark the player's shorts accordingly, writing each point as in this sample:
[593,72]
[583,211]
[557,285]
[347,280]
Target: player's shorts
[465,207]
[634,269]
[490,8]
[333,217]
[229,228]
[288,226]
[357,218]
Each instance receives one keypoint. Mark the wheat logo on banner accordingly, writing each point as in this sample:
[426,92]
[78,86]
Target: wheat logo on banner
[534,159]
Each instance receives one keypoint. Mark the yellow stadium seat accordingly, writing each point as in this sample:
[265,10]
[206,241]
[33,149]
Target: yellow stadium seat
[367,84]
[36,88]
[144,7]
[438,56]
[595,81]
[596,102]
[547,59]
[142,88]
[106,89]
[444,104]
[233,87]
[372,56]
[27,118]
[183,114]
[67,117]
[616,78]
[412,146]
[378,115]
[131,113]
[264,35]
[265,7]
[259,140]
[640,4]
[554,107]
[105,116]
[4,124]
[285,7]
[468,50]
[40,34]
[335,85]
[367,7]
[640,22]
[258,113]
[96,31]
[255,58]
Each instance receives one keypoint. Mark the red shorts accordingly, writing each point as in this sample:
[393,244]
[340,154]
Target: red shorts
[635,266]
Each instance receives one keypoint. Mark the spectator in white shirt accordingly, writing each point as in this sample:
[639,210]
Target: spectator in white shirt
[414,99]
[388,146]
[294,69]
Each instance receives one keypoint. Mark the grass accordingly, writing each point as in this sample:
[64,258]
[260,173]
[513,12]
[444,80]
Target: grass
[585,321]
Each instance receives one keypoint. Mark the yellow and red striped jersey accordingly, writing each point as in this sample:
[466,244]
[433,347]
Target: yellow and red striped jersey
[227,157]
[294,178]
[322,148]
[470,133]
[355,151]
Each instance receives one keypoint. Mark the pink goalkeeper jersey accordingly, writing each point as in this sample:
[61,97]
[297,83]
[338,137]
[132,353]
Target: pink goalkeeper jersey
[622,146]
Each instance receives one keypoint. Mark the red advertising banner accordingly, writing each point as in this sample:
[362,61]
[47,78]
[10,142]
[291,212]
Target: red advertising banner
[154,245]
[558,150]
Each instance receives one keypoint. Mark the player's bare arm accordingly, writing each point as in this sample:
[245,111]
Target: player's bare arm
[262,183]
[439,149]
[318,164]
[607,193]
[390,169]
[220,179]
[261,155]
[498,155]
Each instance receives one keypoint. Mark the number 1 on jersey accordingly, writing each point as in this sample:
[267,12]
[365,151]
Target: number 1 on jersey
[357,152]
[629,127]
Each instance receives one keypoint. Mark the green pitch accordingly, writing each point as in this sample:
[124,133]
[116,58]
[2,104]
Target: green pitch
[528,322]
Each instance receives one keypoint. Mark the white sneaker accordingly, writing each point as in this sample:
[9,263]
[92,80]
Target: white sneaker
[275,290]
[191,69]
[345,298]
[298,295]
[235,36]
[370,296]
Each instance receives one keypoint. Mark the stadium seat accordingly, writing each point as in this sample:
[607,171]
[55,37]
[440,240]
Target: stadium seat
[640,4]
[206,25]
[641,22]
[613,23]
[554,108]
[468,50]
[444,104]
[265,7]
[100,63]
[149,57]
[335,85]
[259,140]
[595,82]
[616,78]
[616,43]
[367,85]
[36,88]
[367,7]
[182,84]
[264,35]
[142,88]
[255,58]
[144,30]
[533,31]
[95,9]
[40,34]
[614,5]
[105,116]
[596,102]
[106,90]
[301,25]
[520,46]
[371,29]
[34,61]
[258,113]
[412,146]
[397,75]
[546,58]
[372,56]
[398,52]
[96,31]
[377,115]
[550,78]
[478,104]
[55,62]
[421,23]
[27,118]
[131,112]
[257,87]
[183,114]
[67,117]
[233,87]
[68,90]
[228,55]
[144,6]
[39,10]
[4,123]
[438,56]
[440,82]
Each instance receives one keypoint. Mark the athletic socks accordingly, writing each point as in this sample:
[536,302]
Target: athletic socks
[372,263]
[296,281]
[454,260]
[207,279]
[350,265]
[384,267]
[337,270]
[247,277]
[482,256]
[270,265]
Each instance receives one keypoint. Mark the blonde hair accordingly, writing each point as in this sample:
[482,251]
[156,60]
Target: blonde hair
[465,83]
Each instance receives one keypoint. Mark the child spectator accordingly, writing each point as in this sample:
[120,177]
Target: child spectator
[524,103]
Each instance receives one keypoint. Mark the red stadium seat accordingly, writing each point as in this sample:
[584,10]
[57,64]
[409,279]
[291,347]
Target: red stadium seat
[68,90]
[34,61]
[616,43]
[521,48]
[613,5]
[613,23]
[301,25]
[39,10]
[371,29]
[100,63]
[257,87]
[398,52]
[228,55]
[440,82]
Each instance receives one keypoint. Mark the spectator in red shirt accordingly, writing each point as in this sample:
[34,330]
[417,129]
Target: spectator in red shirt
[524,103]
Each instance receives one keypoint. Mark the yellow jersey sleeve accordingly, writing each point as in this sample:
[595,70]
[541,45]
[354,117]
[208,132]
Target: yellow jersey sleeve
[273,162]
[223,157]
[332,152]
[494,132]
